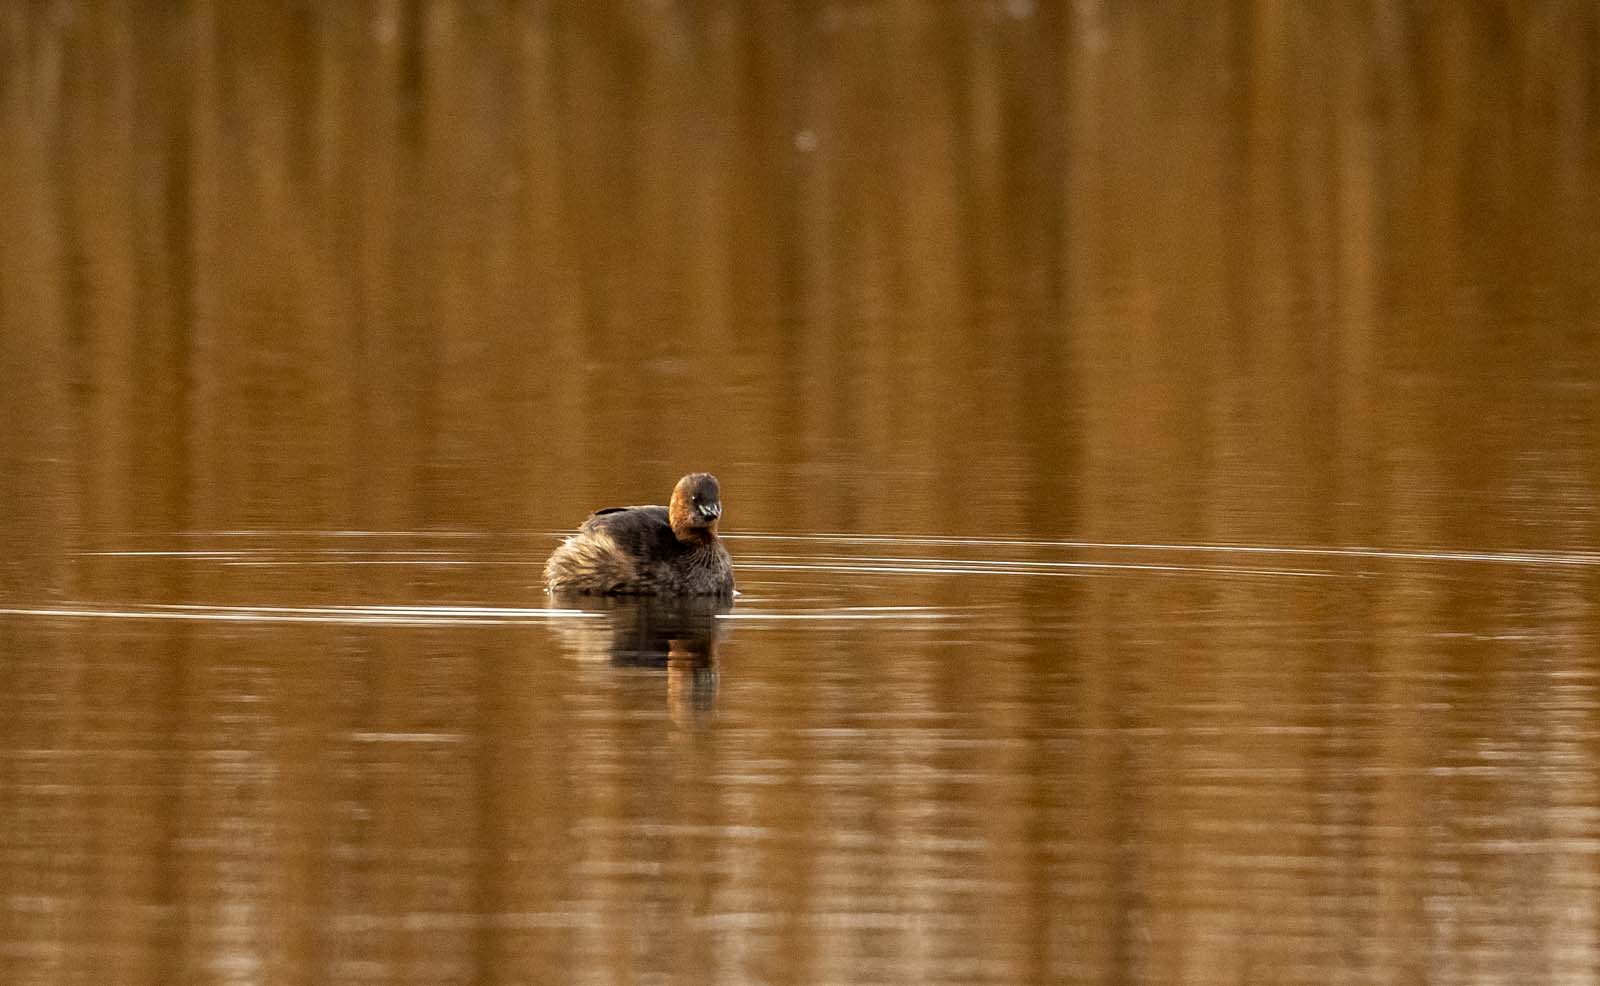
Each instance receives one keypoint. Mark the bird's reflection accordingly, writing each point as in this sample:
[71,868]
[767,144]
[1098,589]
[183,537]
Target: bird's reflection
[679,636]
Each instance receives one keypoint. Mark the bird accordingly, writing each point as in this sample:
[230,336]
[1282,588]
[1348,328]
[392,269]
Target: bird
[649,550]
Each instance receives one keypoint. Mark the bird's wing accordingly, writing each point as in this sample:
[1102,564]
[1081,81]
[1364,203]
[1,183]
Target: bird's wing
[636,530]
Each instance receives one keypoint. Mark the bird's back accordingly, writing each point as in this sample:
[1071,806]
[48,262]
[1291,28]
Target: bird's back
[616,550]
[648,550]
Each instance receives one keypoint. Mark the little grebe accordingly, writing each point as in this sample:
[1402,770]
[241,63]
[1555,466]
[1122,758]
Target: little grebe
[654,551]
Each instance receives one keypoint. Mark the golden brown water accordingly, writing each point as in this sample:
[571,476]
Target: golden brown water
[1160,443]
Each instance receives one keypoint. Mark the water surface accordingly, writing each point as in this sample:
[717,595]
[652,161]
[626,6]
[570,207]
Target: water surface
[1160,457]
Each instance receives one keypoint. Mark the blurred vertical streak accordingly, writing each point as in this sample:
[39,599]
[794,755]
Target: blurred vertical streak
[41,514]
[1352,445]
[207,415]
[591,135]
[822,407]
[551,439]
[1091,927]
[112,827]
[99,279]
[39,466]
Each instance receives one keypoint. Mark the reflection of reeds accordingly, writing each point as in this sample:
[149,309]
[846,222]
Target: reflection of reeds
[1032,270]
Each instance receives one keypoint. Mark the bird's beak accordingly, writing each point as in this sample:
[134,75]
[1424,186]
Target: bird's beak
[711,511]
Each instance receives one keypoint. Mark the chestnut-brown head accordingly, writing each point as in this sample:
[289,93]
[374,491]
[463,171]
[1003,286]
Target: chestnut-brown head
[696,506]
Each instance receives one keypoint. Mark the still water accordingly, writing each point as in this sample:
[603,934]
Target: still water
[1160,446]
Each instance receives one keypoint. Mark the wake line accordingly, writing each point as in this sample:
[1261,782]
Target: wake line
[1059,569]
[1529,558]
[1577,558]
[347,615]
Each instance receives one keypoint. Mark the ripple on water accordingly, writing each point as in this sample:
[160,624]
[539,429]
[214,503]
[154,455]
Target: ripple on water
[785,576]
